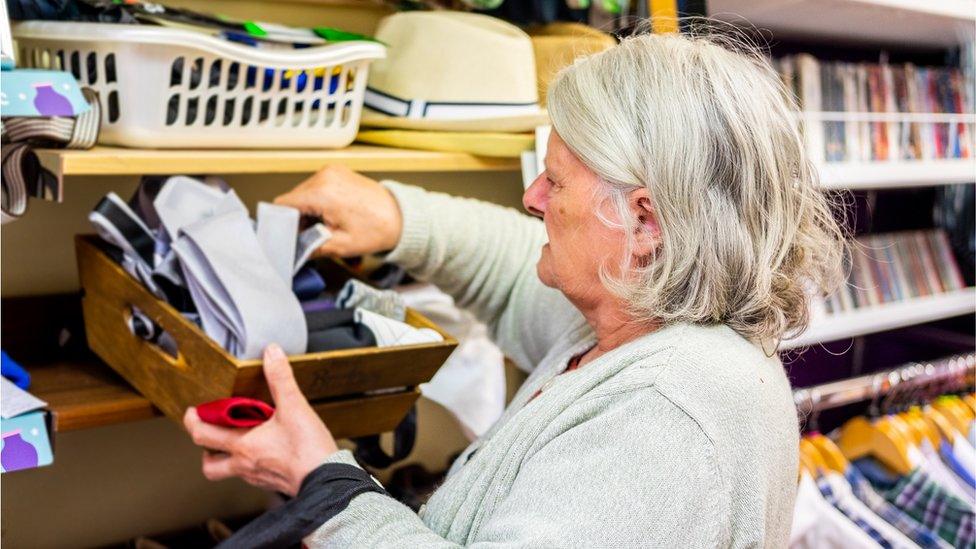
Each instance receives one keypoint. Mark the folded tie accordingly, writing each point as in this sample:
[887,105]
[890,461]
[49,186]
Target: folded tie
[384,302]
[235,412]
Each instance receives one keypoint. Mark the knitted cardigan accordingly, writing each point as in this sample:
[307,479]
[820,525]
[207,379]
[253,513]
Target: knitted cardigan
[685,437]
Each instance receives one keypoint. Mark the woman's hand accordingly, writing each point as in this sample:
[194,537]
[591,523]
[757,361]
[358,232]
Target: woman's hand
[279,453]
[363,216]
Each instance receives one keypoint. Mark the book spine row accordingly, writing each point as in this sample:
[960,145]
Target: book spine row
[890,267]
[864,89]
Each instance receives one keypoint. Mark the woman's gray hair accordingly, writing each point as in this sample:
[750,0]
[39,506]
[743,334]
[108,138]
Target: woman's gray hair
[745,230]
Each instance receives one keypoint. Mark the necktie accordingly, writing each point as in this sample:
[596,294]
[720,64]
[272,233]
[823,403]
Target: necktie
[385,302]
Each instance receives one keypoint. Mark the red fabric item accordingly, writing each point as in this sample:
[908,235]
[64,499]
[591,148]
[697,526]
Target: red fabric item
[235,412]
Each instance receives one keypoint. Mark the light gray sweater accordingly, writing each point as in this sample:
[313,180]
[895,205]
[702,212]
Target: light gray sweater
[685,437]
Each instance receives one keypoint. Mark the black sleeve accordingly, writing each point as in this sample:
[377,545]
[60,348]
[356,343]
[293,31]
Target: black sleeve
[324,493]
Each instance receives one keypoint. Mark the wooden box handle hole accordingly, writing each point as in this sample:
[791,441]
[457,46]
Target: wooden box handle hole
[149,333]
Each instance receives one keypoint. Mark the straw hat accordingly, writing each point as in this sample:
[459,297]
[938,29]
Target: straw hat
[558,44]
[453,71]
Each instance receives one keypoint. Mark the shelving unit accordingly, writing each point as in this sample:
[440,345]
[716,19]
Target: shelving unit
[888,316]
[877,175]
[86,393]
[120,161]
[902,22]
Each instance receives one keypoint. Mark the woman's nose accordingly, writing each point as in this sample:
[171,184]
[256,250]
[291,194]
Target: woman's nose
[536,196]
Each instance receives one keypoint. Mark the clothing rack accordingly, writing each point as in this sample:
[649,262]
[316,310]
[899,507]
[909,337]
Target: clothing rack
[945,375]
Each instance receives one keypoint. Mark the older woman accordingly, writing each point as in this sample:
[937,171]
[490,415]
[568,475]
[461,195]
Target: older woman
[681,226]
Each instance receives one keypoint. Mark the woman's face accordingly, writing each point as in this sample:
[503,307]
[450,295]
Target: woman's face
[567,197]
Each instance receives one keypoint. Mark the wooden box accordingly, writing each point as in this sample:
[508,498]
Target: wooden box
[356,391]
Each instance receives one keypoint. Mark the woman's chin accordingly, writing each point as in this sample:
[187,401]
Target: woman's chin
[544,269]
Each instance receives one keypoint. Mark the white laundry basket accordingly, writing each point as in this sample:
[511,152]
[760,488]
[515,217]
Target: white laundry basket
[171,88]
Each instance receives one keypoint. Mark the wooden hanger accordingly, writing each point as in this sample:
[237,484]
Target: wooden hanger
[929,431]
[970,401]
[814,457]
[806,464]
[832,456]
[859,437]
[963,409]
[909,428]
[935,417]
[948,410]
[899,424]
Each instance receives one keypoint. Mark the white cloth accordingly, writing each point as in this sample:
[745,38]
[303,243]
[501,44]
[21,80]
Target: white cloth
[965,454]
[932,464]
[846,498]
[818,525]
[471,384]
[391,333]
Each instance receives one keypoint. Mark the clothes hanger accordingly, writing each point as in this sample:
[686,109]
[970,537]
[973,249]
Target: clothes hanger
[913,413]
[807,465]
[970,401]
[861,437]
[928,431]
[901,419]
[814,458]
[935,417]
[945,405]
[833,458]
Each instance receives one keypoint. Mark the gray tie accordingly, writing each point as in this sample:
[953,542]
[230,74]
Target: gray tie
[243,301]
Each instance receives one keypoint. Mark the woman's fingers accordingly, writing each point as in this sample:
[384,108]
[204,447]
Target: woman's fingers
[209,436]
[281,378]
[342,244]
[218,465]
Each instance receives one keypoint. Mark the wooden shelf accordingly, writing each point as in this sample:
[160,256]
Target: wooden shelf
[942,23]
[87,393]
[878,175]
[120,161]
[888,316]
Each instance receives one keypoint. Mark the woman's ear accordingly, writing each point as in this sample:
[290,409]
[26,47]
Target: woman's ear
[647,233]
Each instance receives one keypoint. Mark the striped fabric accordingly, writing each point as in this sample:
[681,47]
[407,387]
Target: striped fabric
[23,174]
[921,498]
[925,538]
[832,499]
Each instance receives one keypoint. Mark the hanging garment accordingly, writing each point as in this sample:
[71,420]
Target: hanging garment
[892,515]
[924,500]
[845,497]
[956,462]
[941,474]
[827,486]
[471,383]
[818,525]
